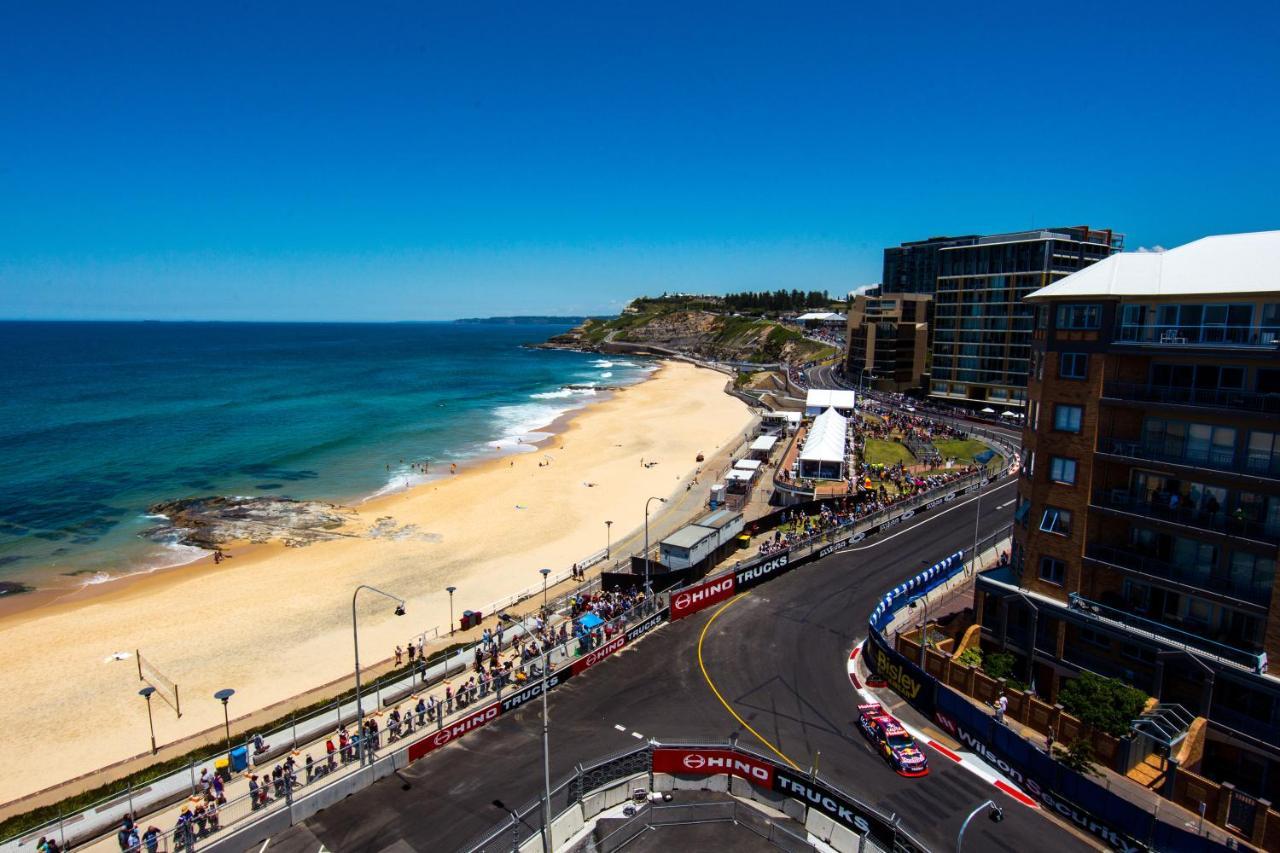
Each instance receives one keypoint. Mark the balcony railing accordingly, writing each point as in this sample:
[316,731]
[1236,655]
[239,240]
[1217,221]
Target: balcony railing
[1198,336]
[1201,578]
[1219,520]
[1177,453]
[1244,401]
[1255,661]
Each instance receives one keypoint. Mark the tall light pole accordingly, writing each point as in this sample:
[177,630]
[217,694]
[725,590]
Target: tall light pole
[145,693]
[646,544]
[996,815]
[544,572]
[224,695]
[450,590]
[355,640]
[546,751]
[977,517]
[608,540]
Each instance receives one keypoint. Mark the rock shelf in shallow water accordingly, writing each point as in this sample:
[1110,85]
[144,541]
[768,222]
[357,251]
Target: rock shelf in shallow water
[212,522]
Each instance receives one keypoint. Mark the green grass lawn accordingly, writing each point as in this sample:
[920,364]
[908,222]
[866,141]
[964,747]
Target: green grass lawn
[881,452]
[963,450]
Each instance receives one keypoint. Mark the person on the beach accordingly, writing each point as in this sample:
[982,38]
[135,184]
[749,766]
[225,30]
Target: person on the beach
[399,655]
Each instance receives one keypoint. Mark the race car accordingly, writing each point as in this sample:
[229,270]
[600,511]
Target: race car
[892,740]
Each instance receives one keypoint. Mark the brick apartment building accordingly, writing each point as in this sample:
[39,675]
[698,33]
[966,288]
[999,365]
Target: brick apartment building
[887,341]
[1148,512]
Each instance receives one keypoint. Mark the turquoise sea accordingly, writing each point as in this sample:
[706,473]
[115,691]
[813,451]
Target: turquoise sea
[101,420]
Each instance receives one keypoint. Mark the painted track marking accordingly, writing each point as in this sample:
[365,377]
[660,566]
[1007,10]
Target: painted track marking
[707,676]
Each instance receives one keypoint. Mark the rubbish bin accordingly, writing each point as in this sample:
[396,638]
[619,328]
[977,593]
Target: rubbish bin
[239,759]
[222,767]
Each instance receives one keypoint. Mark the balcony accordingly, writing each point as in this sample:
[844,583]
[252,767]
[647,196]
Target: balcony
[1167,634]
[1240,401]
[1121,501]
[1202,581]
[1211,458]
[1198,337]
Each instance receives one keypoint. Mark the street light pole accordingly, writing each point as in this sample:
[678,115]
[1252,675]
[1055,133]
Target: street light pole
[450,590]
[997,815]
[355,641]
[646,544]
[544,572]
[546,751]
[608,541]
[145,693]
[224,696]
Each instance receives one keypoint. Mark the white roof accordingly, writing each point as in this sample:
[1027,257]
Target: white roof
[826,439]
[747,464]
[738,474]
[827,398]
[817,315]
[1227,263]
[764,442]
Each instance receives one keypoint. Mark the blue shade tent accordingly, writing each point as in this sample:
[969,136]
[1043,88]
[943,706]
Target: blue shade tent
[984,457]
[591,621]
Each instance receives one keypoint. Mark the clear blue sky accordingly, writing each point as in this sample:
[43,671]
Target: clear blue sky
[423,161]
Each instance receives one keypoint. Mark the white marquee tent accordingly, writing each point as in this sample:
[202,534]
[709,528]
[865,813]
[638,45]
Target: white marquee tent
[824,452]
[818,400]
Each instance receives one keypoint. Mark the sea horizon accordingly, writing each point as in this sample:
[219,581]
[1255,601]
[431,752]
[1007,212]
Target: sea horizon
[105,418]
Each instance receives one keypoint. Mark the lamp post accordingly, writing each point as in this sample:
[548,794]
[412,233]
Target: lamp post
[355,640]
[546,752]
[646,544]
[608,540]
[145,693]
[224,696]
[544,572]
[450,590]
[996,815]
[924,626]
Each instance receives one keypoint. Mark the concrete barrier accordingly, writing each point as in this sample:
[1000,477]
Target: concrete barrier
[793,809]
[566,826]
[819,825]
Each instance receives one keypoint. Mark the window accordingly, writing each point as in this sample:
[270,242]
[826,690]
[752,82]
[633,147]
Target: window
[1093,638]
[1023,511]
[1079,316]
[1053,571]
[1062,470]
[1056,521]
[1067,418]
[1073,365]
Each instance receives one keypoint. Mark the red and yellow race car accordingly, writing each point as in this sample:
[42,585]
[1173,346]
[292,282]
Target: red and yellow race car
[892,740]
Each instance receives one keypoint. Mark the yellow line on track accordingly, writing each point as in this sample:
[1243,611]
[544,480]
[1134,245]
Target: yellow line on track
[712,685]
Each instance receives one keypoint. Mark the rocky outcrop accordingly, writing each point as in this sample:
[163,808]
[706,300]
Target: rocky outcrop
[212,522]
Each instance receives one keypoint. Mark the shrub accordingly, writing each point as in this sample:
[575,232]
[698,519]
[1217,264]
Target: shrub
[971,657]
[998,665]
[1107,704]
[1077,756]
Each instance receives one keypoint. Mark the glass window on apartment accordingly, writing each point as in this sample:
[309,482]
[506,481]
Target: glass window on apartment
[1052,571]
[1260,510]
[1079,316]
[1132,319]
[1093,638]
[1056,520]
[1268,380]
[1067,418]
[1062,470]
[1270,328]
[1264,453]
[1073,365]
[1023,511]
[1251,577]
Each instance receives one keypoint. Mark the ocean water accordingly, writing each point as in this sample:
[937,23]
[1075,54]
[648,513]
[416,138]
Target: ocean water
[101,420]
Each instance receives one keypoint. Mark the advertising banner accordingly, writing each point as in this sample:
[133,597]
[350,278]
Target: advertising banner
[904,677]
[705,594]
[839,808]
[752,576]
[712,762]
[598,654]
[454,730]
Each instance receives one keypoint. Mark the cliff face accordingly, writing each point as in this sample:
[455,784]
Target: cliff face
[702,334]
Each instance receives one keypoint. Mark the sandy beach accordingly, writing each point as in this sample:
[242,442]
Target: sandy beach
[273,622]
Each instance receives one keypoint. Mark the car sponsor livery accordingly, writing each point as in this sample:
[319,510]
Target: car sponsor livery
[705,594]
[712,762]
[455,730]
[893,742]
[751,576]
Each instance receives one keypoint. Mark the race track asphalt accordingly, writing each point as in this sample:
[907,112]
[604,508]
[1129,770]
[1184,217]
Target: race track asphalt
[776,654]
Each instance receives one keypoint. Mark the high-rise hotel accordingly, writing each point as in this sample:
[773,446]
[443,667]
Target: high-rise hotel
[1148,512]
